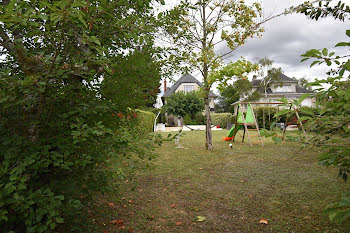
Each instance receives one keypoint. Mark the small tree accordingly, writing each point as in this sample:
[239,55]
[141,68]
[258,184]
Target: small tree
[180,104]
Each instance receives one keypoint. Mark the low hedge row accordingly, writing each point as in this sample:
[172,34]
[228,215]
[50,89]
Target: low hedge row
[269,113]
[222,119]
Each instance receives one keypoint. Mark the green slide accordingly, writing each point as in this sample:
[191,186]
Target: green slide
[232,130]
[248,119]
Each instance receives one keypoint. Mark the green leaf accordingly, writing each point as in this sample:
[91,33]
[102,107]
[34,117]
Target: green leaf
[59,220]
[307,111]
[80,17]
[347,65]
[304,118]
[314,63]
[348,33]
[342,44]
[302,98]
[284,100]
[283,112]
[201,218]
[325,52]
[304,59]
[95,40]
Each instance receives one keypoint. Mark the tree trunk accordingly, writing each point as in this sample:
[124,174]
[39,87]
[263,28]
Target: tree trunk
[205,72]
[208,137]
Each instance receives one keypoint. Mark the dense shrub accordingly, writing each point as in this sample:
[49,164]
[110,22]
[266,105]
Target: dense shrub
[188,120]
[270,118]
[222,119]
[199,118]
[180,104]
[269,113]
[144,121]
[64,95]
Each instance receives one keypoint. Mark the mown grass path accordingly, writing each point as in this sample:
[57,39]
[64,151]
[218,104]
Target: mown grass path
[232,188]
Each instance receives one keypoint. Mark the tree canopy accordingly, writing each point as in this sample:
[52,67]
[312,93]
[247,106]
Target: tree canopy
[180,104]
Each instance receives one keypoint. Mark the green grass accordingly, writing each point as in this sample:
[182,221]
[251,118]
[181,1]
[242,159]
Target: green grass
[233,188]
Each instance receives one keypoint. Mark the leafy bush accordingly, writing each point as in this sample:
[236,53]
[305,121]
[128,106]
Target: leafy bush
[188,120]
[222,119]
[269,113]
[57,126]
[180,104]
[144,121]
[199,118]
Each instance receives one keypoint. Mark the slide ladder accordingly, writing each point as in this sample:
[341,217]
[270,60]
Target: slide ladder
[248,121]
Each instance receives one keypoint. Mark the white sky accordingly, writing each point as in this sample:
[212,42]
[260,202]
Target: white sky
[287,37]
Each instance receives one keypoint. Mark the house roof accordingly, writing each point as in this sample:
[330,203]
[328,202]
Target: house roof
[283,79]
[187,78]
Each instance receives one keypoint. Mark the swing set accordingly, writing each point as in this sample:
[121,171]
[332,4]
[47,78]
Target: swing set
[246,119]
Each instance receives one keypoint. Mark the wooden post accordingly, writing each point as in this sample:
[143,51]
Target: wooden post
[285,125]
[235,131]
[301,124]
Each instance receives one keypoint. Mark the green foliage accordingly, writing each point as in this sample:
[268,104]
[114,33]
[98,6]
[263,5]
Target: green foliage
[187,120]
[222,119]
[339,211]
[63,77]
[332,121]
[265,116]
[144,122]
[325,9]
[180,104]
[199,118]
[238,69]
[232,93]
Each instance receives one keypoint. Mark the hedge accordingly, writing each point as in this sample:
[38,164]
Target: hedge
[144,121]
[269,113]
[222,119]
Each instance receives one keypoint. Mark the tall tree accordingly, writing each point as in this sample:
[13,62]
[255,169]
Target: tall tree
[200,27]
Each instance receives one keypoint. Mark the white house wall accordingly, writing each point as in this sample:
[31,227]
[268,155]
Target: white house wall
[181,87]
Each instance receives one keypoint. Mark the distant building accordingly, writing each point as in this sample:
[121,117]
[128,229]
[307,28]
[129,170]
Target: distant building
[186,83]
[285,87]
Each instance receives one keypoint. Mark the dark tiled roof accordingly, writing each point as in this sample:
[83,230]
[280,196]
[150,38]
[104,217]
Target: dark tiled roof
[283,78]
[187,78]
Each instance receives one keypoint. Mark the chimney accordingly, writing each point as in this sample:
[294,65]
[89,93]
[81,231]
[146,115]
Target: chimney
[165,85]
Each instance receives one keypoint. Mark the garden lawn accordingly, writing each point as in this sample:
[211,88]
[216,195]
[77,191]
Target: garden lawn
[232,188]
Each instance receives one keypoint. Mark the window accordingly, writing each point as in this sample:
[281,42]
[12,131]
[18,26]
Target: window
[188,88]
[284,88]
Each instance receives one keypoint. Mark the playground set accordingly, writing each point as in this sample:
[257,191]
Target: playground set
[246,119]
